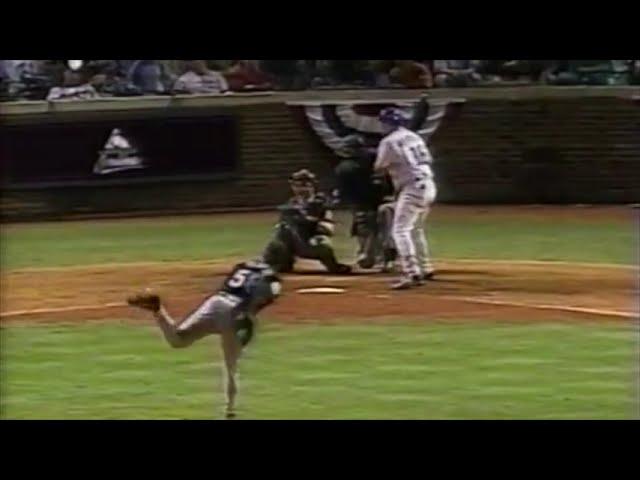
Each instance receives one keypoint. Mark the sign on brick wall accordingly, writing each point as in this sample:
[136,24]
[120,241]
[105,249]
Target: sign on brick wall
[107,152]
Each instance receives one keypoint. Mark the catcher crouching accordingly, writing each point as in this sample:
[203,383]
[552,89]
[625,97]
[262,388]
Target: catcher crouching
[304,229]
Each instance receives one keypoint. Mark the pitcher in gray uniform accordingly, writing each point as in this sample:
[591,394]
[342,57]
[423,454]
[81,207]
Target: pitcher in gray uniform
[230,313]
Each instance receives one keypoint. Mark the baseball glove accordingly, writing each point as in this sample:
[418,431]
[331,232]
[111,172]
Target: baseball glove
[146,301]
[244,329]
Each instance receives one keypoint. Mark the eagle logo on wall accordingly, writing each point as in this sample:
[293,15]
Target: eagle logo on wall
[346,127]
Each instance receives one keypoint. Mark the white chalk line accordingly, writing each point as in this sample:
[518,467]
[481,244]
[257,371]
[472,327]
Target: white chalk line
[73,308]
[104,266]
[504,303]
[539,306]
[541,263]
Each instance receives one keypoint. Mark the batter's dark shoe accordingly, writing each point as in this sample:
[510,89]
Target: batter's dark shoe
[342,269]
[288,268]
[390,254]
[405,283]
[429,275]
[146,301]
[366,262]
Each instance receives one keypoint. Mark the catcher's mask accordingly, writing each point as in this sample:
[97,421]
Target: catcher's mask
[303,183]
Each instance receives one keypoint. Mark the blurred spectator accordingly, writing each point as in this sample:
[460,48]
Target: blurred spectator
[588,72]
[634,72]
[55,69]
[381,70]
[34,79]
[150,76]
[603,72]
[246,75]
[101,67]
[530,70]
[456,73]
[99,72]
[74,87]
[171,69]
[199,79]
[318,73]
[411,74]
[512,70]
[351,72]
[24,79]
[216,65]
[4,83]
[5,80]
[15,69]
[560,73]
[123,68]
[288,74]
[312,72]
[112,77]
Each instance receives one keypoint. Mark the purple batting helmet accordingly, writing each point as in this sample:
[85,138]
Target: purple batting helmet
[391,116]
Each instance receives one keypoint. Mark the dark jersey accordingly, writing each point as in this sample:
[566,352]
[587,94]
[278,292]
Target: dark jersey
[256,285]
[304,215]
[252,282]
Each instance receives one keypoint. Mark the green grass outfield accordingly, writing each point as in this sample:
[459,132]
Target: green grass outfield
[400,370]
[324,372]
[473,235]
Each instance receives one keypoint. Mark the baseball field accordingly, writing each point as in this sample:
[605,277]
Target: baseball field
[533,316]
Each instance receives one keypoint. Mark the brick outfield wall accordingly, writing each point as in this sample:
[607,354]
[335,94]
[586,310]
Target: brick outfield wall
[562,150]
[557,150]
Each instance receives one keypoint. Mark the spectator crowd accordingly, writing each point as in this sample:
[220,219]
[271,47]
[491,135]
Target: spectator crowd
[85,79]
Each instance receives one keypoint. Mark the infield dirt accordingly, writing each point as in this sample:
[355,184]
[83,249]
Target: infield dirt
[464,290]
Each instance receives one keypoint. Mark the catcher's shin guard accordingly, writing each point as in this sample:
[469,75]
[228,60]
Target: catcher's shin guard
[368,251]
[389,258]
[321,249]
[365,228]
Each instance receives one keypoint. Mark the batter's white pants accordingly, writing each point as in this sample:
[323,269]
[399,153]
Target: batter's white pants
[412,208]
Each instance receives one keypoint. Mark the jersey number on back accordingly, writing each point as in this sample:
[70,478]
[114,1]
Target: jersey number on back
[239,278]
[416,154]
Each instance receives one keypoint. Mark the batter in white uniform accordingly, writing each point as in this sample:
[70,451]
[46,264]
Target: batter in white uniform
[405,156]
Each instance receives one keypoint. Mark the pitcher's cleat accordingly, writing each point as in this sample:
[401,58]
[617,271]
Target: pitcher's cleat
[405,283]
[146,301]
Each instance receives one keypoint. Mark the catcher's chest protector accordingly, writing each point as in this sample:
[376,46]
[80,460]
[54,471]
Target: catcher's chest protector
[317,207]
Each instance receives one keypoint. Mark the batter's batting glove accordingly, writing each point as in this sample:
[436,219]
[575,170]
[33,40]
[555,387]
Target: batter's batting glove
[378,178]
